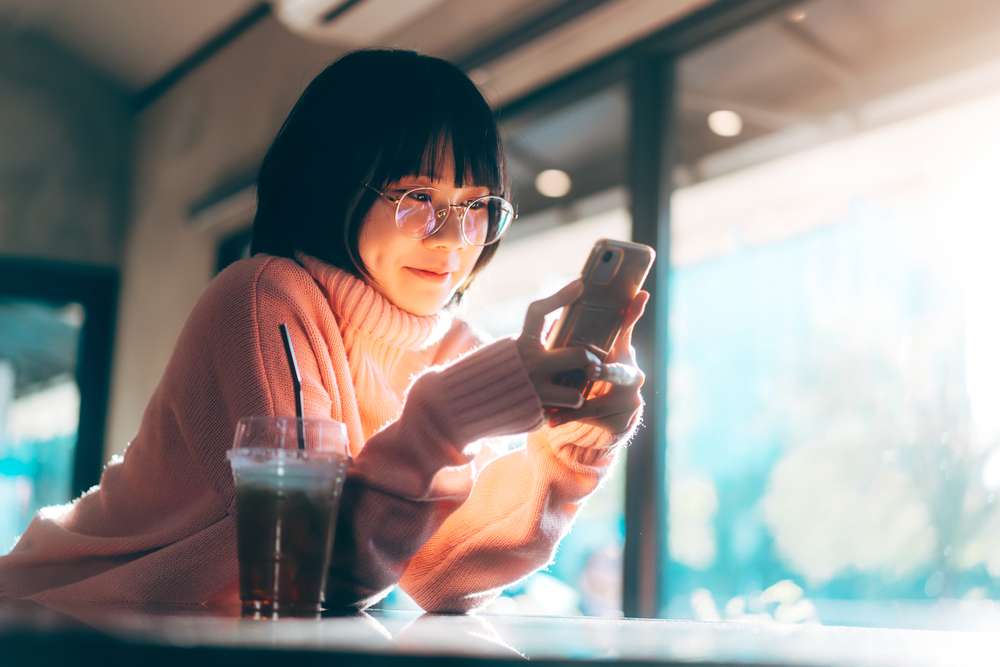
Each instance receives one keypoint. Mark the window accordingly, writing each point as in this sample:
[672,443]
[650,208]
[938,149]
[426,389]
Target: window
[56,336]
[834,446]
[39,409]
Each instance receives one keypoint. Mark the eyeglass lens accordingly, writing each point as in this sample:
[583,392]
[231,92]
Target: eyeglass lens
[485,219]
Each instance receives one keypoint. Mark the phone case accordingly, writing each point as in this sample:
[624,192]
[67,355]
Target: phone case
[613,275]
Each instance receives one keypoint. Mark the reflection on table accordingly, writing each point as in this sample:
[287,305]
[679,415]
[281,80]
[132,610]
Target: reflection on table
[55,634]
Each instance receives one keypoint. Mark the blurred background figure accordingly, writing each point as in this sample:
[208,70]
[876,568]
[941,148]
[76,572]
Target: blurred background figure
[822,437]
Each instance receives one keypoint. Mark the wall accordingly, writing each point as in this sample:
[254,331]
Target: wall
[215,123]
[65,134]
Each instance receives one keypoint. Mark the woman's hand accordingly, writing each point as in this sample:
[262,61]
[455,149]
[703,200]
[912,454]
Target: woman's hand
[542,364]
[615,408]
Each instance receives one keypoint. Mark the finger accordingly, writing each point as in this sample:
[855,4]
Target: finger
[633,314]
[556,396]
[607,407]
[635,311]
[615,423]
[601,354]
[534,319]
[621,375]
[568,359]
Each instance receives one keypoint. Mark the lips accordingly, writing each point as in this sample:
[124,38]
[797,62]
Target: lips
[434,275]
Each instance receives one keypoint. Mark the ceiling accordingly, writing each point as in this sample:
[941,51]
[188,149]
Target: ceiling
[779,74]
[133,42]
[136,43]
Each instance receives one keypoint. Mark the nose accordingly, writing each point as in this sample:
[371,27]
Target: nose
[449,234]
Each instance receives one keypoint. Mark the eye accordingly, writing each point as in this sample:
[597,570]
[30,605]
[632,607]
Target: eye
[419,196]
[476,204]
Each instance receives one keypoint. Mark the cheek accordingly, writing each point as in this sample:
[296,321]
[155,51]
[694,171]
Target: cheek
[367,246]
[375,243]
[469,258]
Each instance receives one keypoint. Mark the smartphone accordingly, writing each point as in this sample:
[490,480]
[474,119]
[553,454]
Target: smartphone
[612,276]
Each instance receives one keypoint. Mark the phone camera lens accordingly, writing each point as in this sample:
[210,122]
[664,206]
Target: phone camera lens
[607,256]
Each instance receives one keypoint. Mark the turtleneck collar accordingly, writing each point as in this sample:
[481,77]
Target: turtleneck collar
[360,306]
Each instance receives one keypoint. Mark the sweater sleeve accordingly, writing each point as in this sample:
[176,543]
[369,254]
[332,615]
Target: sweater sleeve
[522,505]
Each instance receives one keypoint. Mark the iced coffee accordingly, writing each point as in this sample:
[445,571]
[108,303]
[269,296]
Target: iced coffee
[286,511]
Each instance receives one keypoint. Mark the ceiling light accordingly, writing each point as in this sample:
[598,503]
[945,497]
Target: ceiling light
[797,15]
[725,123]
[349,22]
[553,183]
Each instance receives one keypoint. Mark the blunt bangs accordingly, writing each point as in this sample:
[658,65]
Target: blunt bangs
[371,117]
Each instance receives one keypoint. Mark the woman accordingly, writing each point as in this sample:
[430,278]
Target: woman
[371,224]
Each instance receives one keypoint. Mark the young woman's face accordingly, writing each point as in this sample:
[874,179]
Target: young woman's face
[419,275]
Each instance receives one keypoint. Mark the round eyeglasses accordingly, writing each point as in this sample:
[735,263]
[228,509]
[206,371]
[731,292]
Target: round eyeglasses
[421,212]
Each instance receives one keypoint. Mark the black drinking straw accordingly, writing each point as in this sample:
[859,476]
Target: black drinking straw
[296,383]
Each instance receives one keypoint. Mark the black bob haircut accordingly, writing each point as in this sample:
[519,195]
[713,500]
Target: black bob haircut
[373,116]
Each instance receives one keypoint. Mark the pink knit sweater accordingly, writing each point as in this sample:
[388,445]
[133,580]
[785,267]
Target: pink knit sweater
[449,526]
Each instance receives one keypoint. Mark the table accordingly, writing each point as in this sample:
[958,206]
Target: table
[34,635]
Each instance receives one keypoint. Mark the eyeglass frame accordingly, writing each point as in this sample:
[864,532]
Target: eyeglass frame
[449,206]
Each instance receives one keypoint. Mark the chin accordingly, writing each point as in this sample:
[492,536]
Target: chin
[424,307]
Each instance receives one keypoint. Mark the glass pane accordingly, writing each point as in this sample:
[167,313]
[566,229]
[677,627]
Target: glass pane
[834,441]
[39,410]
[545,249]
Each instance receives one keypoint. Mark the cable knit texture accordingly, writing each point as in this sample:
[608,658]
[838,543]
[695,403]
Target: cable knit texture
[450,523]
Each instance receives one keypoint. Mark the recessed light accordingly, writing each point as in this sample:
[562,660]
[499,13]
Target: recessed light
[553,183]
[797,15]
[725,123]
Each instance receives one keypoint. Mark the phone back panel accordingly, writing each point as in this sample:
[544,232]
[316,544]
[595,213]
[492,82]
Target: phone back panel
[613,274]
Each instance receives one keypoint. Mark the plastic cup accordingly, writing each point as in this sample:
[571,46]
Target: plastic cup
[286,511]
